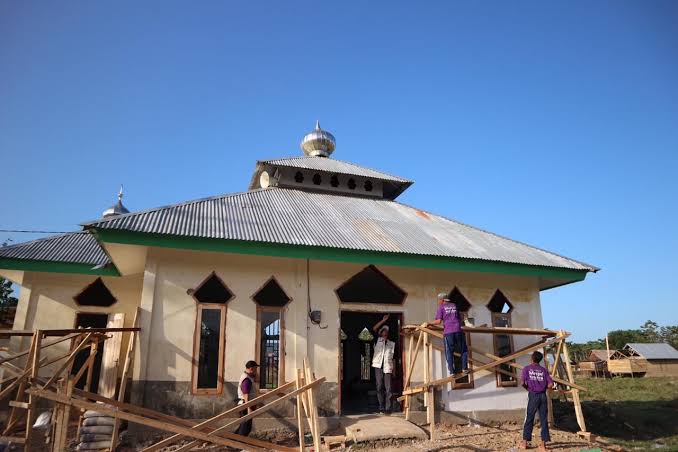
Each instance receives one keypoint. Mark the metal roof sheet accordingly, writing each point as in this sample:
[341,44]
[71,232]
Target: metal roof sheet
[76,247]
[334,166]
[655,351]
[296,217]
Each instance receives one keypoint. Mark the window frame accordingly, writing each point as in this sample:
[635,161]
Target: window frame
[281,350]
[196,349]
[497,375]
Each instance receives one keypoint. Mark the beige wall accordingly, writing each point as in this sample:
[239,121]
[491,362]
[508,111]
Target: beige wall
[46,302]
[168,329]
[168,313]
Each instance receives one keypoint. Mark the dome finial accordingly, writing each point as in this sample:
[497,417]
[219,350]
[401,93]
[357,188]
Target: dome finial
[117,208]
[318,143]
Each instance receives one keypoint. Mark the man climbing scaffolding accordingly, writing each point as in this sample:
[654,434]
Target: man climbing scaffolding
[449,315]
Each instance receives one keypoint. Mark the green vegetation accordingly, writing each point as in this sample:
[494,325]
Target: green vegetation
[636,413]
[649,332]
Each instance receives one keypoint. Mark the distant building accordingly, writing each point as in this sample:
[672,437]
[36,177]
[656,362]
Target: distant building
[652,360]
[314,246]
[595,363]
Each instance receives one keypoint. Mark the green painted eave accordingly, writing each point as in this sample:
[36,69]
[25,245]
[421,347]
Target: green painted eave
[56,267]
[336,254]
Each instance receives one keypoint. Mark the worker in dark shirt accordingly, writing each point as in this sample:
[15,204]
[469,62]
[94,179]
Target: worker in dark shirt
[536,380]
[246,392]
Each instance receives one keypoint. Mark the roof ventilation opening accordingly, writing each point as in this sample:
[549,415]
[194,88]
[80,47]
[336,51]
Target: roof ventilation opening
[334,181]
[96,294]
[212,290]
[299,177]
[351,184]
[368,185]
[370,286]
[271,294]
[317,180]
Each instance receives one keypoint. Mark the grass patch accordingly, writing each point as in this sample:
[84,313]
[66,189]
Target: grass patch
[636,413]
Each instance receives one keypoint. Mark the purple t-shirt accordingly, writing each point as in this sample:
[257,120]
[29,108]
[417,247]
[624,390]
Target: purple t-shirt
[246,386]
[536,378]
[449,314]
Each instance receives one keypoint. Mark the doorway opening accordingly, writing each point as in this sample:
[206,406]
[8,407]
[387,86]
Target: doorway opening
[358,387]
[89,320]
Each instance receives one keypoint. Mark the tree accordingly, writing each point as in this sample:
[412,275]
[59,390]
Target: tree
[651,331]
[6,298]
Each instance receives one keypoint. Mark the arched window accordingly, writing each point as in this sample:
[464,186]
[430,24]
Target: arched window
[501,309]
[211,296]
[271,300]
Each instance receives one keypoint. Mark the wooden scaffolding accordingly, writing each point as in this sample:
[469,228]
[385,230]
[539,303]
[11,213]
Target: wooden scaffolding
[420,340]
[26,384]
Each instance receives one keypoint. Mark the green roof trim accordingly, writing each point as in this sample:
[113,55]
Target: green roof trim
[336,254]
[57,267]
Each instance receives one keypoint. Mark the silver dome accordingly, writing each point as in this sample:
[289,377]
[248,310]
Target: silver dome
[318,143]
[117,208]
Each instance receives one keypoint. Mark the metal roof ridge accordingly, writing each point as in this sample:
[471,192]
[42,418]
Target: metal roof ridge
[184,203]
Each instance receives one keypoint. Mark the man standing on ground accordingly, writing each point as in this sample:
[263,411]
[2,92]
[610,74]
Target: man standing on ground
[246,393]
[536,380]
[383,364]
[448,314]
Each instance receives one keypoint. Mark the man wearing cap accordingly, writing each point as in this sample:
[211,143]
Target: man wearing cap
[246,392]
[448,314]
[383,364]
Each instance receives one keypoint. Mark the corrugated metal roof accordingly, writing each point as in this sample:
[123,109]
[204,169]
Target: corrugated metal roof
[655,351]
[296,217]
[333,166]
[600,354]
[75,247]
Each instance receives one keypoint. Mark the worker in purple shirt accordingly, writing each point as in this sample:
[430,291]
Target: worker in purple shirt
[449,315]
[536,380]
[247,392]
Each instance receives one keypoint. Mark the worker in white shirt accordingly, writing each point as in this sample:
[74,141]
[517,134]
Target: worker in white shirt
[383,364]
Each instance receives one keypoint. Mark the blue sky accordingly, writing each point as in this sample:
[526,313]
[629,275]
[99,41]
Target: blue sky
[554,124]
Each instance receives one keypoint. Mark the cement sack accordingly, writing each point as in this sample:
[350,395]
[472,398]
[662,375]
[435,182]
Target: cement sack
[99,420]
[98,445]
[97,429]
[90,413]
[92,438]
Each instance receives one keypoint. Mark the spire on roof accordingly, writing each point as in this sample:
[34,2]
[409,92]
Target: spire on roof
[117,208]
[318,143]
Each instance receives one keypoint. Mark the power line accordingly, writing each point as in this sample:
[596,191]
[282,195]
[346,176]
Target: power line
[34,232]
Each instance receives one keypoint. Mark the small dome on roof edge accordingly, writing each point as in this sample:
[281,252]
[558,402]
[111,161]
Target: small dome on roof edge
[116,209]
[318,143]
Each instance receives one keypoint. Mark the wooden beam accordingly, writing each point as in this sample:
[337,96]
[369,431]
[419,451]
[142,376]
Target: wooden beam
[64,332]
[153,423]
[71,357]
[254,413]
[490,330]
[204,424]
[502,360]
[44,345]
[129,357]
[300,410]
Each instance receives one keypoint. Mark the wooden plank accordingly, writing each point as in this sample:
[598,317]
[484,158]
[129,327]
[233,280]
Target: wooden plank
[153,423]
[491,330]
[409,365]
[12,439]
[69,360]
[313,407]
[427,374]
[30,413]
[575,392]
[43,345]
[64,332]
[255,413]
[232,411]
[300,417]
[129,359]
[15,404]
[111,356]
